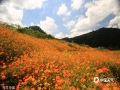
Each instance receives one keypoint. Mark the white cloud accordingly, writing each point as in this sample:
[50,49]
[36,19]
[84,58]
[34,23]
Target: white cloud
[109,26]
[31,24]
[27,4]
[59,35]
[119,25]
[88,5]
[115,20]
[65,18]
[80,18]
[63,10]
[76,4]
[9,14]
[114,26]
[79,33]
[70,24]
[48,25]
[94,15]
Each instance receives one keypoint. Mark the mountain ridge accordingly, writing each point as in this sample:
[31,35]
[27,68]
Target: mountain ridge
[105,37]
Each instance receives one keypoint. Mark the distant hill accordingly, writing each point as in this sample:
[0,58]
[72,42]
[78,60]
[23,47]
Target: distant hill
[104,37]
[37,28]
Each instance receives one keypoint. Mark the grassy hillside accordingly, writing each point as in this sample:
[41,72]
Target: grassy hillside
[34,31]
[31,63]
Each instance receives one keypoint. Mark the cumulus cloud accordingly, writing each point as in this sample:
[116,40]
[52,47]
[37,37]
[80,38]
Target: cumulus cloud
[115,20]
[9,14]
[109,26]
[76,4]
[27,4]
[48,25]
[79,33]
[31,24]
[119,25]
[59,35]
[94,15]
[114,26]
[88,5]
[70,24]
[63,10]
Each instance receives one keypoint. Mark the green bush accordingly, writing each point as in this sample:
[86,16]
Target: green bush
[35,33]
[84,45]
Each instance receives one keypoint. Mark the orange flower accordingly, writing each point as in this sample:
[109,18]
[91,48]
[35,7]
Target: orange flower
[34,82]
[105,88]
[32,88]
[56,70]
[18,87]
[116,88]
[91,78]
[88,68]
[114,84]
[3,67]
[36,71]
[118,62]
[99,84]
[3,77]
[82,80]
[1,53]
[2,84]
[26,88]
[39,88]
[59,80]
[47,84]
[105,69]
[26,76]
[72,88]
[99,71]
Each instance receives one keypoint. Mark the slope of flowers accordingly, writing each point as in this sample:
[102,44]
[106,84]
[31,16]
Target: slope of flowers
[41,64]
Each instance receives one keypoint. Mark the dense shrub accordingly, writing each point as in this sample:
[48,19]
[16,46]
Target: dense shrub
[34,33]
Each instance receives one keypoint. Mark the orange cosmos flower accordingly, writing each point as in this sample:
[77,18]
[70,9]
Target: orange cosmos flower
[87,68]
[91,78]
[114,84]
[1,53]
[3,77]
[36,72]
[104,69]
[39,88]
[2,84]
[26,88]
[99,71]
[82,80]
[99,84]
[32,88]
[105,88]
[34,82]
[3,67]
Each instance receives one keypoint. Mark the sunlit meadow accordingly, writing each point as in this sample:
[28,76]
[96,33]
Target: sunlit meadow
[30,63]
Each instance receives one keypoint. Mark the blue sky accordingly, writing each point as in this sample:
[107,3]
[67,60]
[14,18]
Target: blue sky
[62,18]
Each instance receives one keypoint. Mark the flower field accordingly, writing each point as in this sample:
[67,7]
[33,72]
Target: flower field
[29,63]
